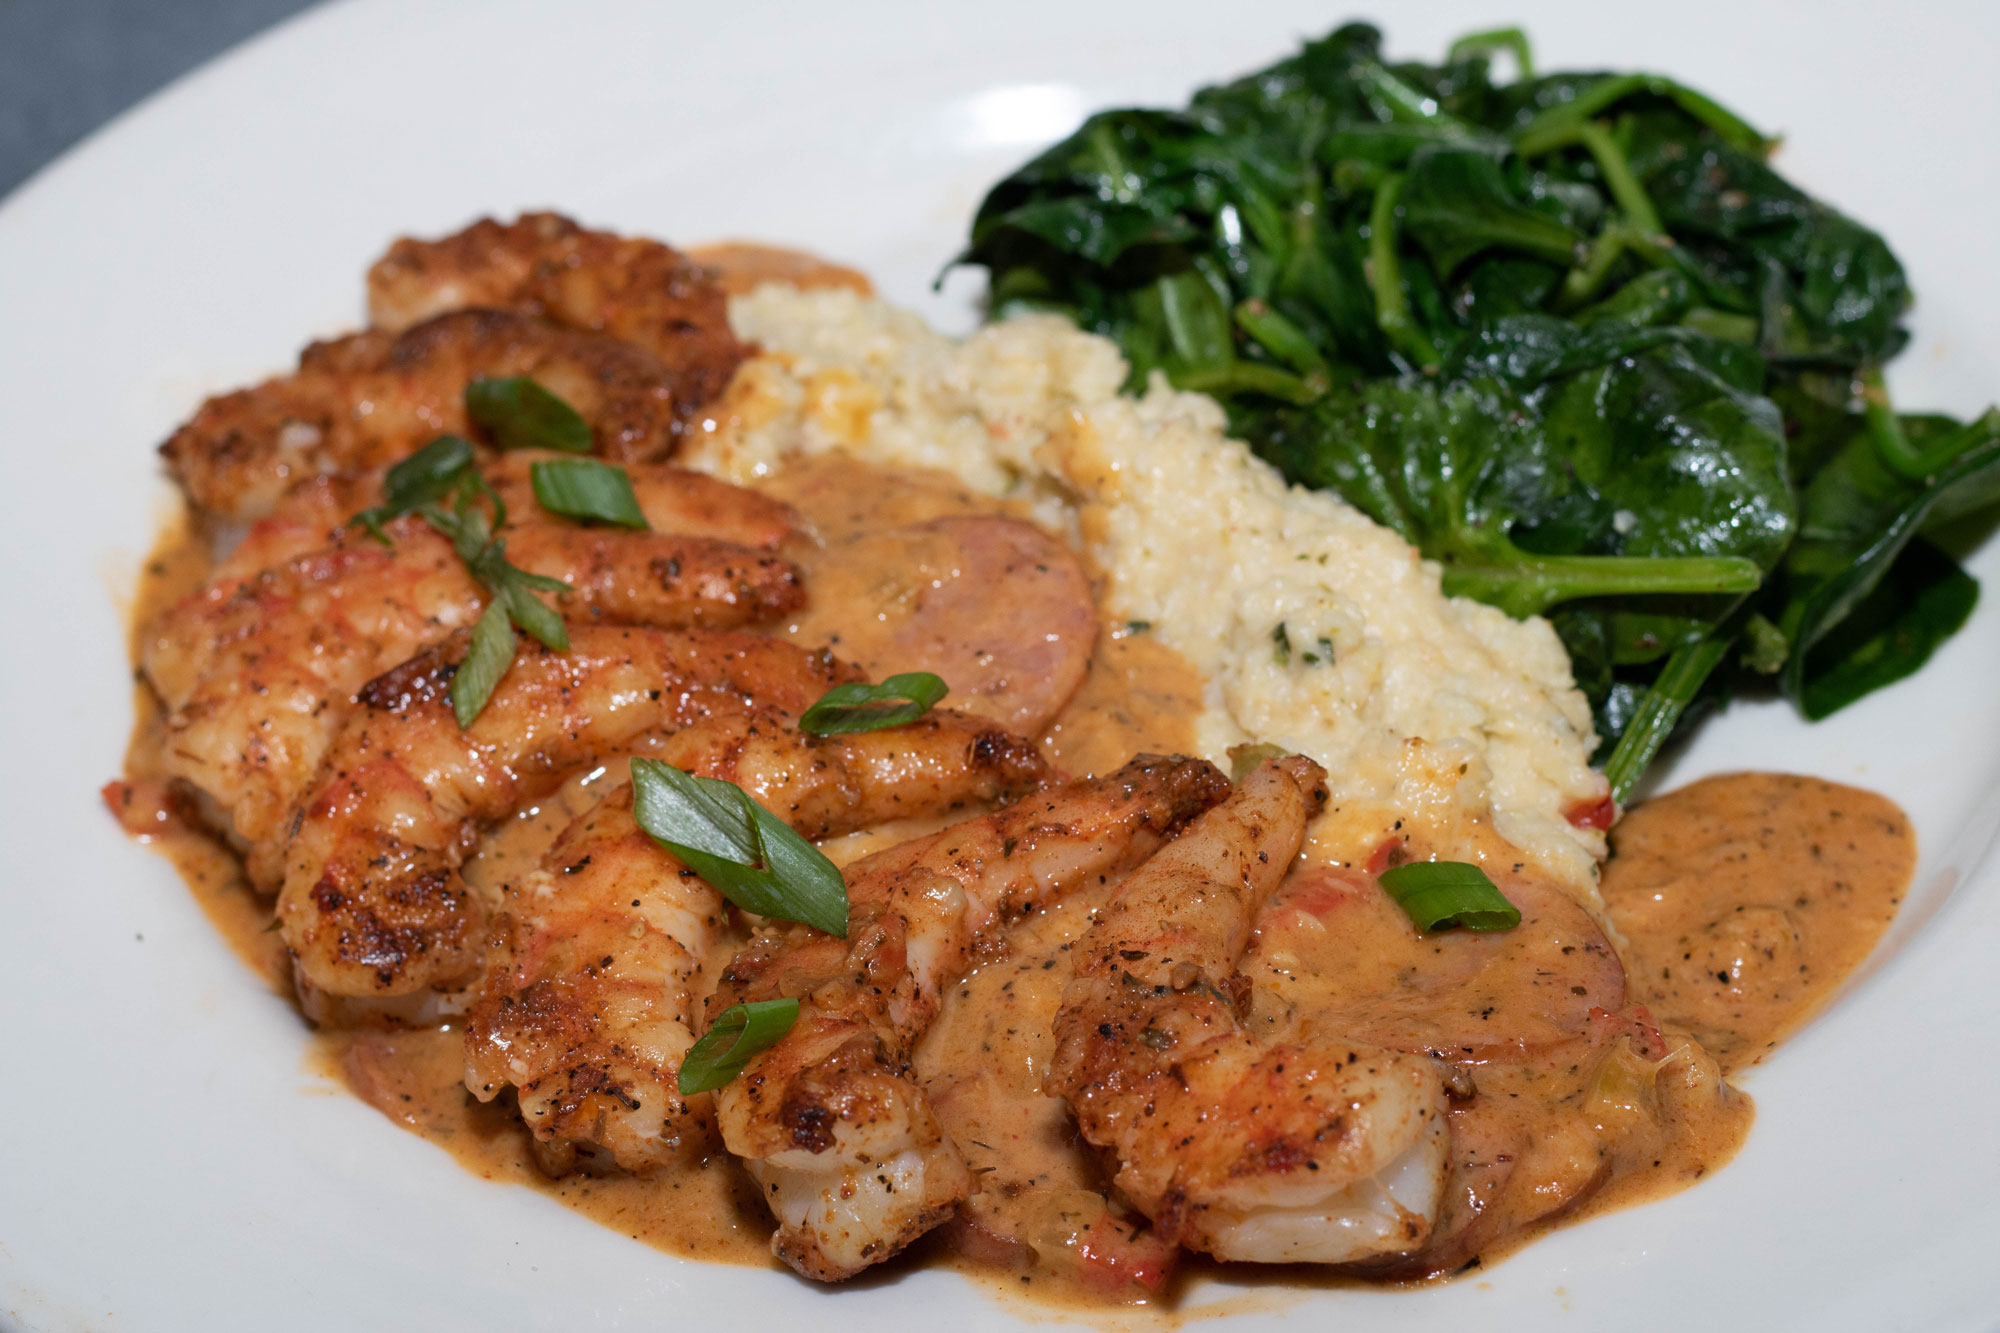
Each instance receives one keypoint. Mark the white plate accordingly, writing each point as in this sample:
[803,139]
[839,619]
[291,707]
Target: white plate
[167,1161]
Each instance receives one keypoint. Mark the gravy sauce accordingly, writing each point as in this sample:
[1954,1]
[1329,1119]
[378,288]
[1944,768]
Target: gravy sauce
[1745,900]
[1579,1084]
[148,808]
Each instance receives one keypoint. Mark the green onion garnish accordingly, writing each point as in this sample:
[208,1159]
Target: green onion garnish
[587,489]
[520,414]
[743,850]
[856,707]
[492,652]
[743,1031]
[419,485]
[1439,894]
[425,477]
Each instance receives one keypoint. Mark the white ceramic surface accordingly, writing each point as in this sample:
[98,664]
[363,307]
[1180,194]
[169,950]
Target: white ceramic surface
[166,1159]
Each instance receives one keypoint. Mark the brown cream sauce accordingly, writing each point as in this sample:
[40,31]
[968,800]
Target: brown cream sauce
[1744,902]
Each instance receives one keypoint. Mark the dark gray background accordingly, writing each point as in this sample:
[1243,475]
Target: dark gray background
[67,66]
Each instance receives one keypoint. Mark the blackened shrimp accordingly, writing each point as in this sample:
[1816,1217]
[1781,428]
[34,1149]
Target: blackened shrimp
[831,1121]
[673,499]
[364,401]
[591,997]
[372,904]
[1322,1151]
[1560,1082]
[315,513]
[545,264]
[256,671]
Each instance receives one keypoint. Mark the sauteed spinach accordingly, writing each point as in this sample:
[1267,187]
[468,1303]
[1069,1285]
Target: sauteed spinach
[1569,334]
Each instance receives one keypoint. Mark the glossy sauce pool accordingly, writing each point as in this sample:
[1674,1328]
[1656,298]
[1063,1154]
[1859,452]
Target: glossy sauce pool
[1743,902]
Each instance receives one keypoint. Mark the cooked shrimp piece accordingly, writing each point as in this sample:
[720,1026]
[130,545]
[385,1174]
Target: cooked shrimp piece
[673,499]
[309,517]
[257,671]
[1283,1152]
[996,606]
[315,513]
[831,1121]
[372,905]
[823,786]
[364,401]
[658,579]
[591,996]
[545,264]
[1534,1024]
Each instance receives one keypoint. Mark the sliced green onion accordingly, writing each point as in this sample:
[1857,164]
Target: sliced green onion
[1438,894]
[745,852]
[534,615]
[425,477]
[486,661]
[742,1033]
[857,707]
[521,414]
[419,484]
[587,489]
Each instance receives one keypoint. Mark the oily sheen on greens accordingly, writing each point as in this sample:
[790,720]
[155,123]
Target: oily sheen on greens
[1570,334]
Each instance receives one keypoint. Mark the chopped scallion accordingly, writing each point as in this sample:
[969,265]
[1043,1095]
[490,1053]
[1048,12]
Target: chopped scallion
[486,661]
[858,707]
[743,1032]
[520,414]
[584,488]
[746,853]
[1440,894]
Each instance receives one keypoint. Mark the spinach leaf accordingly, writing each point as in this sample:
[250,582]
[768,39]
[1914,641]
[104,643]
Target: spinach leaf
[1571,335]
[1860,520]
[1920,601]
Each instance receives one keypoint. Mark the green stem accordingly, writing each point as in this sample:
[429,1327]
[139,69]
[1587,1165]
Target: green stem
[1581,285]
[1385,271]
[1673,690]
[1280,337]
[1734,130]
[1721,324]
[1625,189]
[1892,444]
[1528,585]
[1404,102]
[1496,39]
[1252,377]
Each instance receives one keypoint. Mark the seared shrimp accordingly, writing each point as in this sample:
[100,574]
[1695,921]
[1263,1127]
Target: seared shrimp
[256,671]
[366,400]
[314,514]
[1275,1153]
[590,996]
[1558,1081]
[831,1121]
[372,905]
[543,263]
[673,499]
